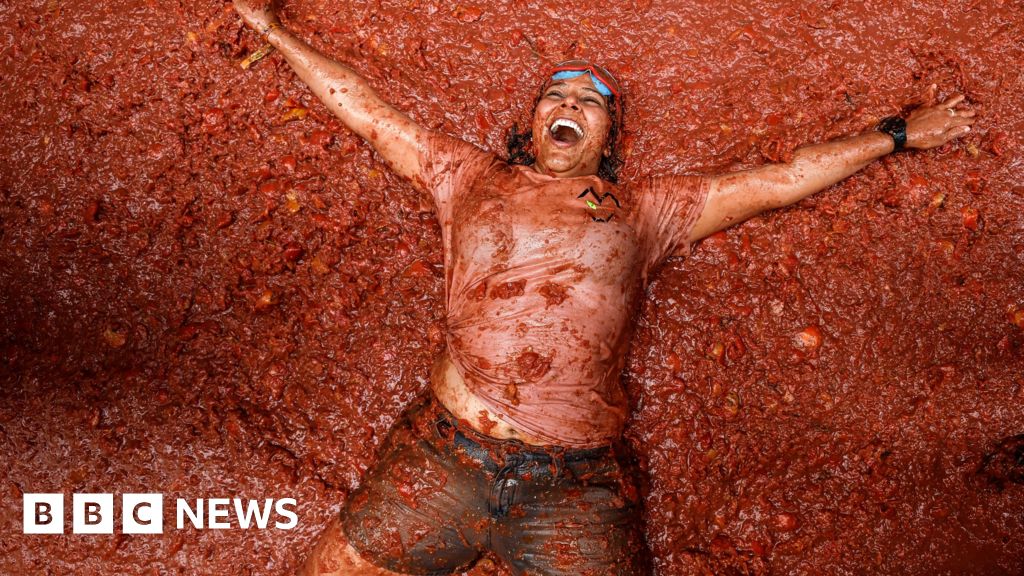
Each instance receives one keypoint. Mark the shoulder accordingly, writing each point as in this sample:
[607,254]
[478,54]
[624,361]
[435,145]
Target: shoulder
[673,183]
[442,147]
[451,160]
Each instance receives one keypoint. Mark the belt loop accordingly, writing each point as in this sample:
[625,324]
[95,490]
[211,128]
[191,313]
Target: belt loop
[443,428]
[505,485]
[557,461]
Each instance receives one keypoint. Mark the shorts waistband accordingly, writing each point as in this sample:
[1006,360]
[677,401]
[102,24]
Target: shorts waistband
[483,448]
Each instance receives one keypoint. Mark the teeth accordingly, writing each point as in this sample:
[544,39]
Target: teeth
[566,122]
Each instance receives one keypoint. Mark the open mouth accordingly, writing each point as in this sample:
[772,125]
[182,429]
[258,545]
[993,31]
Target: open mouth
[566,132]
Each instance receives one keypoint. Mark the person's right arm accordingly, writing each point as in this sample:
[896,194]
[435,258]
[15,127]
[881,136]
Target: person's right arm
[399,140]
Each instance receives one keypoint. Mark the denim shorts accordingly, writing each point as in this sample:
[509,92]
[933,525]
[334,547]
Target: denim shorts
[442,495]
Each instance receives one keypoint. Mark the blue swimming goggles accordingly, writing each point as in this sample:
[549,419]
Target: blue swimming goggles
[604,82]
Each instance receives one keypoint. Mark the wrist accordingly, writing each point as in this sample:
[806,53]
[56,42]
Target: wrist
[269,28]
[276,35]
[269,45]
[896,128]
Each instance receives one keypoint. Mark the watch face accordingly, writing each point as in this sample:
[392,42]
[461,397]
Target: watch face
[897,128]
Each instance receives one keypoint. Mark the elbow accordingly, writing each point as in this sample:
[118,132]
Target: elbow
[787,187]
[773,186]
[788,176]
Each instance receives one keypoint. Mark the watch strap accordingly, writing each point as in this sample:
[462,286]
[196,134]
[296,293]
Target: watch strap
[897,128]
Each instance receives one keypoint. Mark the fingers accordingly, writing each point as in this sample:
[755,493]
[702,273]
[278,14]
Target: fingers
[953,101]
[928,96]
[961,122]
[957,131]
[958,117]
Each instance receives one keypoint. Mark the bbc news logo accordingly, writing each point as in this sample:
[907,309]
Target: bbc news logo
[144,513]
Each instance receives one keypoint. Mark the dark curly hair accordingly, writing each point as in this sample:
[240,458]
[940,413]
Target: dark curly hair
[518,142]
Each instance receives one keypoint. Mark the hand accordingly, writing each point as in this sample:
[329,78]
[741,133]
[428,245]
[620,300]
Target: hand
[931,126]
[258,14]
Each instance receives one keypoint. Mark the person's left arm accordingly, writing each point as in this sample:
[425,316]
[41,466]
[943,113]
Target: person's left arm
[737,196]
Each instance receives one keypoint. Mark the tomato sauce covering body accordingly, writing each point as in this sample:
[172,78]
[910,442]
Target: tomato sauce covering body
[210,289]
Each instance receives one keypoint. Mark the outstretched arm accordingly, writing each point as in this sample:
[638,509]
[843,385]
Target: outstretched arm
[737,196]
[399,140]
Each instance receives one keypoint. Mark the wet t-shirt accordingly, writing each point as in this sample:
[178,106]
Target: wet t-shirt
[543,277]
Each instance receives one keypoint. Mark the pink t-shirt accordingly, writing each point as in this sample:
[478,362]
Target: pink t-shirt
[543,277]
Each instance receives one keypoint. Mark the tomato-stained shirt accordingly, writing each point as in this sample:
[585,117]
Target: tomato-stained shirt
[543,278]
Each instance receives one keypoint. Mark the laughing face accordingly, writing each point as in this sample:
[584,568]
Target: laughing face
[570,128]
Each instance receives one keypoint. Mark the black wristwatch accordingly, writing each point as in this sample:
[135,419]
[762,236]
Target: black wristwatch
[897,128]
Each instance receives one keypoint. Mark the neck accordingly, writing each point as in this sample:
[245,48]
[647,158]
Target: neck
[574,172]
